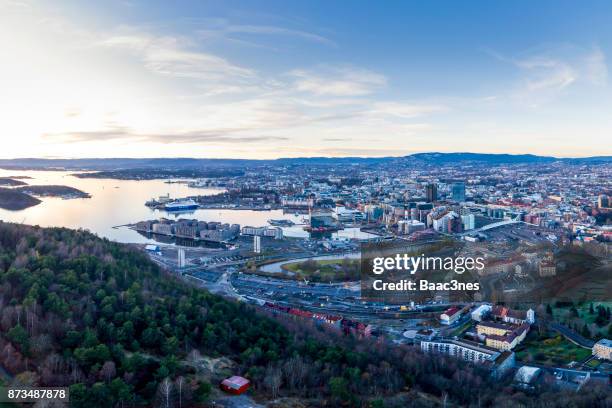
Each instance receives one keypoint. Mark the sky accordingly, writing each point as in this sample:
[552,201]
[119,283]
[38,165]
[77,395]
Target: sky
[268,79]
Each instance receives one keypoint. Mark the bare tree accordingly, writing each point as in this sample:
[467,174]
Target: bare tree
[180,383]
[108,371]
[272,380]
[164,393]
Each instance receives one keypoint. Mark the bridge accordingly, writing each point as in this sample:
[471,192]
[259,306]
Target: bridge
[495,225]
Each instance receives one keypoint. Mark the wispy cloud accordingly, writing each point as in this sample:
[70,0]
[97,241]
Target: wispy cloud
[273,30]
[547,73]
[174,56]
[121,133]
[337,81]
[554,69]
[405,110]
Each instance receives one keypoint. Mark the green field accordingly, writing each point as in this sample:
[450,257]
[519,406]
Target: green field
[554,350]
[328,270]
[563,314]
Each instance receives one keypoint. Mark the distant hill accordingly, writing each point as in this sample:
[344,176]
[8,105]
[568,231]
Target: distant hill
[114,164]
[482,157]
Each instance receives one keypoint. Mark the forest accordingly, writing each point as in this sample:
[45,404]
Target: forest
[98,316]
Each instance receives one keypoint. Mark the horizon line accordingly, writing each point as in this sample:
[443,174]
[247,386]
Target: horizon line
[302,157]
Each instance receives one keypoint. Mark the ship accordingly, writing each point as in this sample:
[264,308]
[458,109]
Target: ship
[281,223]
[181,205]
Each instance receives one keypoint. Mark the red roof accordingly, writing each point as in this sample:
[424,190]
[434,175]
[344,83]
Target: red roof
[235,382]
[452,311]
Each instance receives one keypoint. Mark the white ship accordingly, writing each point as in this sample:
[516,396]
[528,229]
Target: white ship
[181,205]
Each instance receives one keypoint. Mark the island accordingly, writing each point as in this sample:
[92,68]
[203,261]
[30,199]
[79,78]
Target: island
[153,174]
[14,200]
[53,191]
[11,182]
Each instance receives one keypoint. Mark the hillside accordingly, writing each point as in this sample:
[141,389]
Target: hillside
[98,316]
[184,167]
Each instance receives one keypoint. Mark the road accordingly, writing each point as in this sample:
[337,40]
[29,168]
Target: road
[572,335]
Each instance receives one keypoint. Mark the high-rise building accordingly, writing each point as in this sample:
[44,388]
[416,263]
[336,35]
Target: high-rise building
[431,192]
[469,222]
[181,258]
[458,190]
[257,244]
[603,201]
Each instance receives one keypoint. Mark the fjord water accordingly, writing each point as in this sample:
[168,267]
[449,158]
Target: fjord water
[115,203]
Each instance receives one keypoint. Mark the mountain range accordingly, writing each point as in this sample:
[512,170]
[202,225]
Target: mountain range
[186,163]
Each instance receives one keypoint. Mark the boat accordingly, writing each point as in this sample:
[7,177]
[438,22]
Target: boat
[281,223]
[181,205]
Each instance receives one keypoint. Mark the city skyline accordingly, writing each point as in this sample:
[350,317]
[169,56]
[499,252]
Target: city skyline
[288,79]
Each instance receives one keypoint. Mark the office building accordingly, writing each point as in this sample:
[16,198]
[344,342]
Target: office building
[603,201]
[431,192]
[458,190]
[257,244]
[181,258]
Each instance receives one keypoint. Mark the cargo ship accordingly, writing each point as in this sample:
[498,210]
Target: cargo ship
[181,205]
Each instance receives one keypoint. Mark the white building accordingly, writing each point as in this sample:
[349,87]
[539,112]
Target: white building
[480,312]
[181,258]
[257,244]
[463,349]
[603,349]
[343,214]
[526,376]
[469,222]
[450,316]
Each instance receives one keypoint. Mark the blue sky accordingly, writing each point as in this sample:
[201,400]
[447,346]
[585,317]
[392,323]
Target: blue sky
[304,78]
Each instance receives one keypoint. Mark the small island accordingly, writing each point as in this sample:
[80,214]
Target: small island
[14,200]
[53,191]
[11,182]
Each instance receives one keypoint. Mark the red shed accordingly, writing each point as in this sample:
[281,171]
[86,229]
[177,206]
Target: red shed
[235,385]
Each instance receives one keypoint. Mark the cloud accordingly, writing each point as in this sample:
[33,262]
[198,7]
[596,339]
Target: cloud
[596,69]
[557,68]
[272,30]
[405,110]
[337,81]
[547,73]
[349,151]
[251,34]
[122,133]
[174,56]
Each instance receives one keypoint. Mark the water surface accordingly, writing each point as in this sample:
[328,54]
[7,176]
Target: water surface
[115,203]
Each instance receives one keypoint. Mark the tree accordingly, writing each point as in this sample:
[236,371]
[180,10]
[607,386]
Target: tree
[121,391]
[272,380]
[78,395]
[591,310]
[549,310]
[585,332]
[180,385]
[108,371]
[164,393]
[339,388]
[202,392]
[19,336]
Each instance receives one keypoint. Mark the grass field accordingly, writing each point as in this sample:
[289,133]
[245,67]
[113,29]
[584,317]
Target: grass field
[549,350]
[594,363]
[327,270]
[562,314]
